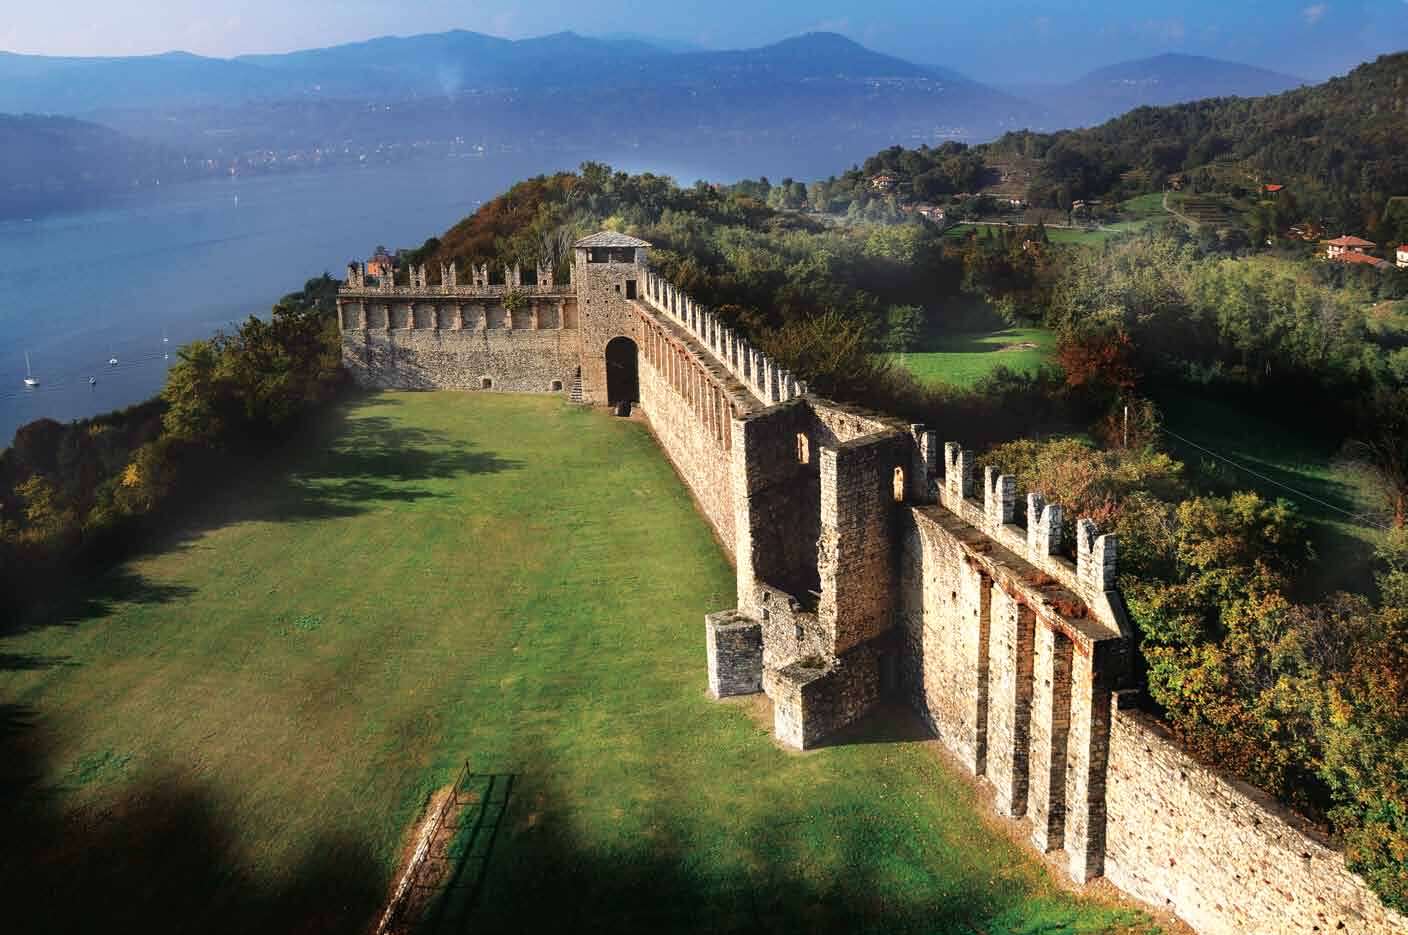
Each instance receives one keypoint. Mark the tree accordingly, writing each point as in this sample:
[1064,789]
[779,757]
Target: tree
[1381,445]
[1217,637]
[904,326]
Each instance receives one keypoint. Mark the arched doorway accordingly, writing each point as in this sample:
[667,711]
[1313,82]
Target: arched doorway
[622,383]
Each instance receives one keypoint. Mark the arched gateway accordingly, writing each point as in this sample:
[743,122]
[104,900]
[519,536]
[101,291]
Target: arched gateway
[622,378]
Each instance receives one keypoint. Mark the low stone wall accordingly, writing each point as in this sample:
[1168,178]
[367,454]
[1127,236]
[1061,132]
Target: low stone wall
[812,699]
[512,361]
[734,648]
[1224,857]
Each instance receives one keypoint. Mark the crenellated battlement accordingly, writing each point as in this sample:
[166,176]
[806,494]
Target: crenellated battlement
[1039,539]
[765,379]
[479,285]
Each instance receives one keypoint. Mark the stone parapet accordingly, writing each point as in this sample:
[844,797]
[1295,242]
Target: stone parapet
[763,378]
[1091,576]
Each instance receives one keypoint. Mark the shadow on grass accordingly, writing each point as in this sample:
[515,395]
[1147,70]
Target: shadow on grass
[889,722]
[768,876]
[161,857]
[344,464]
[158,858]
[1268,462]
[980,342]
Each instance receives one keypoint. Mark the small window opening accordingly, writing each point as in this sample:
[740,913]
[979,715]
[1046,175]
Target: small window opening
[557,386]
[630,288]
[618,287]
[798,631]
[486,383]
[804,449]
[899,485]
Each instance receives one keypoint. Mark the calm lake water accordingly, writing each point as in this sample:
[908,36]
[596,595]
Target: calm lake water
[78,289]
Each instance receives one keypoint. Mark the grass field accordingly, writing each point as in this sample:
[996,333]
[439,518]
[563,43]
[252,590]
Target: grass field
[236,731]
[1280,461]
[1057,235]
[962,359]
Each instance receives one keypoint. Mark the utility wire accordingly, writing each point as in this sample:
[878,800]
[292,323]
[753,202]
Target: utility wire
[1357,517]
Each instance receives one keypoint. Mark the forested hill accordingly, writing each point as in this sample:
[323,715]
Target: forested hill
[56,162]
[1341,147]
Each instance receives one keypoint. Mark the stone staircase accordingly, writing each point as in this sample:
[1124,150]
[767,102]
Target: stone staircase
[575,395]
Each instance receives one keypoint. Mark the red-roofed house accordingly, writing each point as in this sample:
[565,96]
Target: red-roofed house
[1363,259]
[381,265]
[1272,189]
[1403,256]
[1340,246]
[882,183]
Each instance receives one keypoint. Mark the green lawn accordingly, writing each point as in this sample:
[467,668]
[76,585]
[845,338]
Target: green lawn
[235,732]
[1057,235]
[962,359]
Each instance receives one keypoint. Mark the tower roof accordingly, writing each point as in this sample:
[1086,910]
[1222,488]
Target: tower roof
[611,239]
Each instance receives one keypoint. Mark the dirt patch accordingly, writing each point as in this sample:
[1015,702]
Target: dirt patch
[1019,346]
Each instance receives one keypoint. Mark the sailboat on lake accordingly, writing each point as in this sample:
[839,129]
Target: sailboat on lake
[29,378]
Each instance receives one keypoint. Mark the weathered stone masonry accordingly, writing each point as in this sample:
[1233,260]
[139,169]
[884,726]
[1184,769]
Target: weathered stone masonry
[871,564]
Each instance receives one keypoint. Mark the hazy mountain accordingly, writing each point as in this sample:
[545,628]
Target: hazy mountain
[452,63]
[80,86]
[810,103]
[1164,79]
[48,163]
[667,45]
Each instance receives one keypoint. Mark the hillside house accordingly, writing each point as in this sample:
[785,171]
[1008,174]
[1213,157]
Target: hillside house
[1363,259]
[382,264]
[882,183]
[1403,256]
[930,212]
[1343,246]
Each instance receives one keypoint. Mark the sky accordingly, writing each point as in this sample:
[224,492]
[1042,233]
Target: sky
[998,41]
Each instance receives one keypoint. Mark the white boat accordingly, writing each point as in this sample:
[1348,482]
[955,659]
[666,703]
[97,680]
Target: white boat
[112,361]
[92,381]
[29,378]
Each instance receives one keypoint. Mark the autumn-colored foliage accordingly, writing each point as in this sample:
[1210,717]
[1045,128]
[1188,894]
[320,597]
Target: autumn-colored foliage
[1100,361]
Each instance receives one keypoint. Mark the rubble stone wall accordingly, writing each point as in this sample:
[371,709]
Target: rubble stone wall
[1224,857]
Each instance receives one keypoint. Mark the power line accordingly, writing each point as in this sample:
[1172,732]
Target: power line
[1357,517]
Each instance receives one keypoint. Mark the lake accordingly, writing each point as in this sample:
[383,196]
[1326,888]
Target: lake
[78,289]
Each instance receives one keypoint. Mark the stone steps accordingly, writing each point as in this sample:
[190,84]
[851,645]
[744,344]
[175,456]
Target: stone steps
[575,395]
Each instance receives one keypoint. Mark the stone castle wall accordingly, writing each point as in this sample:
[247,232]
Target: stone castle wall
[1224,857]
[690,417]
[518,361]
[870,563]
[459,336]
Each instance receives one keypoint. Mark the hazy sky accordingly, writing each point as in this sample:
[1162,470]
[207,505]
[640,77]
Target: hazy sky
[993,40]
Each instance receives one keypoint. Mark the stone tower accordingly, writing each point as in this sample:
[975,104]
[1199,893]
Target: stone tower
[608,272]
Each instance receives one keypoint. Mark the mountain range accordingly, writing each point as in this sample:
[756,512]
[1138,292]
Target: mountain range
[813,103]
[452,63]
[1152,82]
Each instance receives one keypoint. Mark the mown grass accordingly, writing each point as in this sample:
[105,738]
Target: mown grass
[236,732]
[963,358]
[1056,235]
